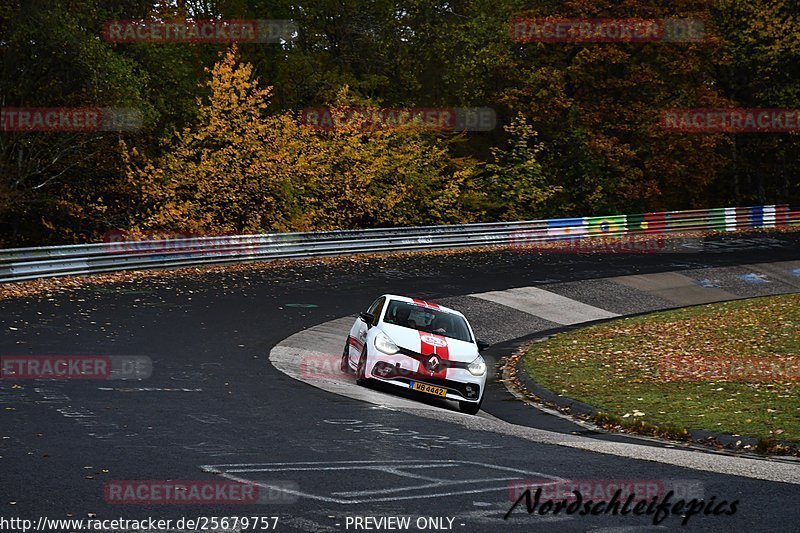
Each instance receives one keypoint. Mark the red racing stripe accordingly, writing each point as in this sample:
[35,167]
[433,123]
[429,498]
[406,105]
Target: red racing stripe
[423,303]
[433,344]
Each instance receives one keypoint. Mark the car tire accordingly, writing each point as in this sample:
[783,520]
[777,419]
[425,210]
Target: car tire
[344,366]
[470,408]
[361,369]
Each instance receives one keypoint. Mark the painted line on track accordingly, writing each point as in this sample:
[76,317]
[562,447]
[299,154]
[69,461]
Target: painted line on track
[547,305]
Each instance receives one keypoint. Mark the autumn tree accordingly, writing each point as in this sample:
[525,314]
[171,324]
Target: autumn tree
[761,45]
[229,173]
[50,60]
[594,106]
[598,106]
[242,170]
[514,183]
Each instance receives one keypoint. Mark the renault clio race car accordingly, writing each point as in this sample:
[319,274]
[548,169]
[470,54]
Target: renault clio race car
[420,346]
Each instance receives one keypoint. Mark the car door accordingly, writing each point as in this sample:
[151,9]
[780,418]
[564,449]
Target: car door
[358,333]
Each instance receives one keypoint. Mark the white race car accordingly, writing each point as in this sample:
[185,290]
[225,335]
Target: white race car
[419,346]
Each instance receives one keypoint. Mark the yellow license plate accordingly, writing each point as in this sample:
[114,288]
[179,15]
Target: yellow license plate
[430,389]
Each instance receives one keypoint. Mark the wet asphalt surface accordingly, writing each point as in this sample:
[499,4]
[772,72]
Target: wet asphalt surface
[215,401]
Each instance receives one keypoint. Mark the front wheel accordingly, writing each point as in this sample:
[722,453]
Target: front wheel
[344,366]
[470,408]
[361,370]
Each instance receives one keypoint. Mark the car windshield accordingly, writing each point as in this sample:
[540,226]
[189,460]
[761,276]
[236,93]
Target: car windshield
[429,320]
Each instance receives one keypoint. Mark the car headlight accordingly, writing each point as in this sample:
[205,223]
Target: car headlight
[477,367]
[385,344]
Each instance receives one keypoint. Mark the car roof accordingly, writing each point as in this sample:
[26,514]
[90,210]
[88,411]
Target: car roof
[423,303]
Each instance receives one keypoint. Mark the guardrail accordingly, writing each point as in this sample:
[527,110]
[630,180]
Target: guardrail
[20,264]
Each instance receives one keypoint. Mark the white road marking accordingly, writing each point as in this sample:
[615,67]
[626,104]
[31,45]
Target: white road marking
[447,486]
[208,418]
[309,526]
[418,487]
[547,305]
[146,389]
[626,529]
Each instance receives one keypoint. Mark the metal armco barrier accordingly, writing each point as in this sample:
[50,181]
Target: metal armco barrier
[21,264]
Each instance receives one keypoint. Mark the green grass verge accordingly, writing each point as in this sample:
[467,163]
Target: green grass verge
[693,368]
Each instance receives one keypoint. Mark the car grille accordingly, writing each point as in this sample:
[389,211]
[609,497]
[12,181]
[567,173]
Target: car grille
[470,391]
[443,363]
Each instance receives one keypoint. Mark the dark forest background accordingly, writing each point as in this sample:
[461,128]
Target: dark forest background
[222,149]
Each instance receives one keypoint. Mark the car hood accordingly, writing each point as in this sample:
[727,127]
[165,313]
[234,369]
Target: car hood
[422,342]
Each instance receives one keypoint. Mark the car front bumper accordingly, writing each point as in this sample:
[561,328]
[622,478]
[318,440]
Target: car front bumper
[459,383]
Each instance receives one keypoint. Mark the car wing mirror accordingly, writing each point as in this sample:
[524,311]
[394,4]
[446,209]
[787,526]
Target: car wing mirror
[482,345]
[368,318]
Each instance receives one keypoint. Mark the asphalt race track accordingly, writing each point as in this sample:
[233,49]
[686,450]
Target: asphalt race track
[216,406]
